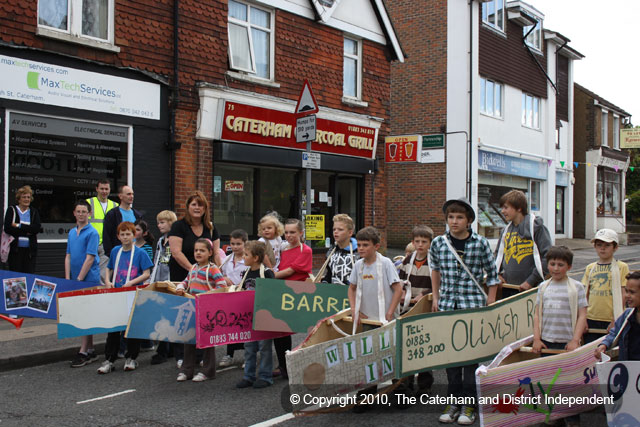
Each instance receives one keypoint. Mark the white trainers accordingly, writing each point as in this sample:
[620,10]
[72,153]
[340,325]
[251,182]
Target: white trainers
[106,367]
[179,363]
[467,416]
[450,414]
[226,361]
[181,377]
[199,378]
[130,364]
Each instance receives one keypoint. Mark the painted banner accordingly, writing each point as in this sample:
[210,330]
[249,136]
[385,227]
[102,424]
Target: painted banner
[454,338]
[620,381]
[162,316]
[331,361]
[33,295]
[537,389]
[227,318]
[94,311]
[289,306]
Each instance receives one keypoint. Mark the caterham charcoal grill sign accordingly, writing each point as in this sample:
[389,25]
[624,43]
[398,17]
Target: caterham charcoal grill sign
[61,160]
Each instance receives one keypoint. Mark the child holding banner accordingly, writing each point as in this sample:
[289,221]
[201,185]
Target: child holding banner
[603,281]
[270,229]
[295,264]
[459,260]
[341,258]
[253,255]
[233,268]
[626,331]
[198,281]
[560,316]
[127,267]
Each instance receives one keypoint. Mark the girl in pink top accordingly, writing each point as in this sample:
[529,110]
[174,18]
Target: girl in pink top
[295,264]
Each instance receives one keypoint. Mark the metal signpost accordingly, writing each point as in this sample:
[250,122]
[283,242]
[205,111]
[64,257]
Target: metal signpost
[306,132]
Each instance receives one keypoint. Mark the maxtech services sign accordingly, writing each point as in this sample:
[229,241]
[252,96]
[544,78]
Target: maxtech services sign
[256,125]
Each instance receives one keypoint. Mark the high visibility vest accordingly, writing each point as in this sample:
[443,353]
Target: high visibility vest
[96,217]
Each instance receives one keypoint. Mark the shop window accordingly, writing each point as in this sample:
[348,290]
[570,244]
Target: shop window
[531,111]
[609,188]
[352,68]
[233,198]
[534,196]
[88,19]
[251,39]
[493,14]
[278,192]
[490,98]
[534,38]
[62,161]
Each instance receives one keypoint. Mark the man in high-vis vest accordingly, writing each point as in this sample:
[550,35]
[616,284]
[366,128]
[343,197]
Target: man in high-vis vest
[100,205]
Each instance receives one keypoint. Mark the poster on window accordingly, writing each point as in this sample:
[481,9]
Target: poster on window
[62,161]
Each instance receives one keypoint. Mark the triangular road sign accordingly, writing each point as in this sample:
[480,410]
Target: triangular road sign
[307,103]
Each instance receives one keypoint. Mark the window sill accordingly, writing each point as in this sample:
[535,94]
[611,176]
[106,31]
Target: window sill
[495,30]
[609,216]
[354,102]
[492,116]
[530,128]
[52,34]
[250,79]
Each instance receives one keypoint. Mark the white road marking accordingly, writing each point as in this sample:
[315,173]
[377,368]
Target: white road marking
[226,369]
[108,396]
[275,421]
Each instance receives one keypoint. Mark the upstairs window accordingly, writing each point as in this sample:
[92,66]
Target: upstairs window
[490,98]
[534,39]
[493,14]
[616,132]
[352,75]
[531,111]
[251,39]
[604,129]
[91,19]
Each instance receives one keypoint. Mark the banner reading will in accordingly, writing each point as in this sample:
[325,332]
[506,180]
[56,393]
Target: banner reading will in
[289,306]
[454,338]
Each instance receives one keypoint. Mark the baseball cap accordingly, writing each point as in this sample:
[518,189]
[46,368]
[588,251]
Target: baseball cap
[606,235]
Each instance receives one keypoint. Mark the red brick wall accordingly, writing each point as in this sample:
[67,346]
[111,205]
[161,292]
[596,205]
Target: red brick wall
[416,192]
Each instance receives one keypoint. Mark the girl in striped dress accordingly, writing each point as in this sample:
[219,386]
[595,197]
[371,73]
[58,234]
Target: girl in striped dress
[204,276]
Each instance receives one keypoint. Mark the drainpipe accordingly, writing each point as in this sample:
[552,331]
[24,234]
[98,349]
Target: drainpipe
[173,144]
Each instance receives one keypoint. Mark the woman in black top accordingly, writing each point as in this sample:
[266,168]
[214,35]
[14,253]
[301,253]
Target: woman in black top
[22,221]
[195,224]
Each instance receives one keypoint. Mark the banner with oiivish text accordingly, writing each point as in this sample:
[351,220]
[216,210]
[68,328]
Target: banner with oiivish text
[446,339]
[290,306]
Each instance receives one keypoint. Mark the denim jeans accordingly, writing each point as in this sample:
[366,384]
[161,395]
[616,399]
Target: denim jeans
[265,371]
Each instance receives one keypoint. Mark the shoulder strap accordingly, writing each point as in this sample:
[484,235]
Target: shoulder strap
[324,266]
[501,244]
[115,268]
[466,269]
[536,253]
[616,289]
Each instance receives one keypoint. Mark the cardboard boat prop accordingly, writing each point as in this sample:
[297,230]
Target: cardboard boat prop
[520,388]
[331,361]
[619,382]
[159,314]
[94,311]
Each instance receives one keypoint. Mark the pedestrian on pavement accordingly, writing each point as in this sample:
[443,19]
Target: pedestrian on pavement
[523,245]
[202,277]
[100,205]
[127,267]
[114,217]
[22,221]
[603,281]
[459,260]
[81,263]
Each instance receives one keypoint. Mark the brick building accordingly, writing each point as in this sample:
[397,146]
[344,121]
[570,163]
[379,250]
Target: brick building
[498,87]
[600,188]
[173,96]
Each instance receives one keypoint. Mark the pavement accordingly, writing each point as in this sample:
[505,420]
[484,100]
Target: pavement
[36,342]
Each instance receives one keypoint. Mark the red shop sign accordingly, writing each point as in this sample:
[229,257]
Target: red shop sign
[256,125]
[401,149]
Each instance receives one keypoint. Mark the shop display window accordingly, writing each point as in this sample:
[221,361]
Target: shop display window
[608,192]
[233,199]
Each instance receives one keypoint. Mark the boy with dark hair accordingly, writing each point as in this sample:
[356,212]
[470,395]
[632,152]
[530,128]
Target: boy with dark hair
[626,331]
[341,258]
[521,251]
[373,275]
[81,263]
[459,259]
[561,310]
[603,281]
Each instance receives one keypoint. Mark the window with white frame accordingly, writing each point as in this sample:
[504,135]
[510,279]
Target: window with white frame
[493,14]
[531,111]
[616,132]
[608,191]
[251,39]
[490,97]
[533,38]
[352,77]
[91,19]
[604,129]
